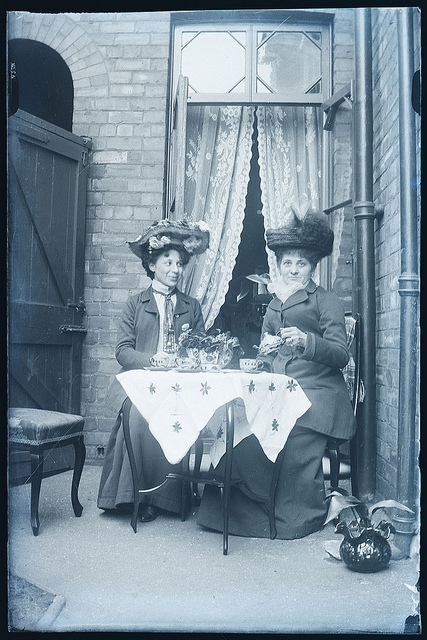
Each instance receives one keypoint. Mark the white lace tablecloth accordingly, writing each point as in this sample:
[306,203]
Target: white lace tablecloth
[177,405]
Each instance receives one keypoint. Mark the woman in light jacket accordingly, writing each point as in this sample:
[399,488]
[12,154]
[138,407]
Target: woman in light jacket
[304,337]
[151,323]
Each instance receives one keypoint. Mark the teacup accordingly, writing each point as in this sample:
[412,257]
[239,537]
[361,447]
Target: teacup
[161,360]
[250,364]
[210,366]
[185,362]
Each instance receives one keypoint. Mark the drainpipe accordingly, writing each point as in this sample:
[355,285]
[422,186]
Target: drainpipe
[408,287]
[365,255]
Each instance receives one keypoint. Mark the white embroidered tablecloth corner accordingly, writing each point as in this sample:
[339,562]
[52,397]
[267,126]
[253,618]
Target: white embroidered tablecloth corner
[178,405]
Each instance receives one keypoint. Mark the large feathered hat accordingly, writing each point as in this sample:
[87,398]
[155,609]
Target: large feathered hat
[310,232]
[193,237]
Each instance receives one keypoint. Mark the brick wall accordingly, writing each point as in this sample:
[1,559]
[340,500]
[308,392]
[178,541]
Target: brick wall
[387,242]
[126,117]
[341,140]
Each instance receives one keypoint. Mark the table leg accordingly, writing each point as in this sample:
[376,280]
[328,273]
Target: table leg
[228,468]
[272,495]
[184,486]
[126,433]
[198,455]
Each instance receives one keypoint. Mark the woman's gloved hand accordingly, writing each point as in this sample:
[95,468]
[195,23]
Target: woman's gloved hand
[293,336]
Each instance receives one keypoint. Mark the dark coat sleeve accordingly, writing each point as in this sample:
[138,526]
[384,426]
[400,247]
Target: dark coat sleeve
[134,352]
[198,323]
[126,354]
[328,344]
[329,349]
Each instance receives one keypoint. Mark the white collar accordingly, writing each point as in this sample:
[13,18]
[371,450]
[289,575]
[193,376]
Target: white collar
[158,287]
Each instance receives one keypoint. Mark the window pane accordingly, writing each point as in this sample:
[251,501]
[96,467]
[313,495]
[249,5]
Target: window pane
[214,61]
[261,88]
[316,36]
[289,61]
[316,88]
[240,87]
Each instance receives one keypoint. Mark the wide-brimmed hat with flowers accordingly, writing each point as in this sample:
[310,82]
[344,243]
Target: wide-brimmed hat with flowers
[310,232]
[192,236]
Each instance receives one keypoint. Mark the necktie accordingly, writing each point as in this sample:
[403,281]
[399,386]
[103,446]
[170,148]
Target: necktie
[169,344]
[168,329]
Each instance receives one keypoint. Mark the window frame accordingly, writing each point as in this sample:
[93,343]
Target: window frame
[250,97]
[253,21]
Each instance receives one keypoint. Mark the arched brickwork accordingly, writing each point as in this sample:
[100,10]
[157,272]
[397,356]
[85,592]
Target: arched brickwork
[62,33]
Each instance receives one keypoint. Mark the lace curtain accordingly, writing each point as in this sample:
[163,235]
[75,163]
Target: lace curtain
[289,161]
[218,154]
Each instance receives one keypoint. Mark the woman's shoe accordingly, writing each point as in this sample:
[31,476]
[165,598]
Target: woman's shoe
[147,513]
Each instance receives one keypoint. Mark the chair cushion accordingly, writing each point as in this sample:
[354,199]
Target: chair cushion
[37,426]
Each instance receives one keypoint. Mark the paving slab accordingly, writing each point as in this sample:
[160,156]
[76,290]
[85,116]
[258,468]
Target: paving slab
[171,575]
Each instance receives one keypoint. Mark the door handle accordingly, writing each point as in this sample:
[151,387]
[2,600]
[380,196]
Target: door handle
[72,328]
[78,306]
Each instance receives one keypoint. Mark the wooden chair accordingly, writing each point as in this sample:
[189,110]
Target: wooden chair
[225,483]
[185,477]
[37,431]
[336,465]
[123,418]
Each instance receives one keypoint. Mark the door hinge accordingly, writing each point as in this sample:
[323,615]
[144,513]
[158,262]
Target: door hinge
[72,328]
[85,152]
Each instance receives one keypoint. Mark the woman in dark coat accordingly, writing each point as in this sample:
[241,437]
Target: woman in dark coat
[304,337]
[151,323]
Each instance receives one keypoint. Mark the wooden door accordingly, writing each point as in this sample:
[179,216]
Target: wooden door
[47,175]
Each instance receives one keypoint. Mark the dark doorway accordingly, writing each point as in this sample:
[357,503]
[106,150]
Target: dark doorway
[42,82]
[242,311]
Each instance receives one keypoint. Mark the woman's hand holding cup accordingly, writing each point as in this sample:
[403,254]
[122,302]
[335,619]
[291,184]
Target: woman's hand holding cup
[162,360]
[292,336]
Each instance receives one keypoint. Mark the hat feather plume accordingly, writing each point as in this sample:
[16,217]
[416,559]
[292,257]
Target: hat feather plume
[300,211]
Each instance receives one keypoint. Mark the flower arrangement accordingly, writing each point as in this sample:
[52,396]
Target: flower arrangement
[193,243]
[158,243]
[365,546]
[215,349]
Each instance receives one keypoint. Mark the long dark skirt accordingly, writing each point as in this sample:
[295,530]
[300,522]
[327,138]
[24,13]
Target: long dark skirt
[116,486]
[300,507]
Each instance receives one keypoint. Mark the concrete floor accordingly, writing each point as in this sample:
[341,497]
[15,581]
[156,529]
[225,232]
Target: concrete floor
[172,576]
